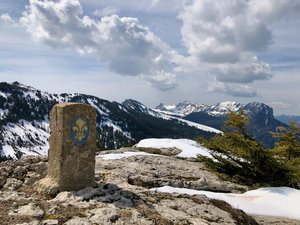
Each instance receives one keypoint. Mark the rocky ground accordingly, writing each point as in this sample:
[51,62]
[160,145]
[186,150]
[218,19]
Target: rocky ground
[122,196]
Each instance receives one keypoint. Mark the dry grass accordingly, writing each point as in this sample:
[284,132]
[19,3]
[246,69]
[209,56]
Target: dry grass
[125,213]
[239,216]
[5,207]
[63,214]
[153,215]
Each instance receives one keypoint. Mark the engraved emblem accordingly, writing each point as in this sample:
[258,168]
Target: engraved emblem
[80,130]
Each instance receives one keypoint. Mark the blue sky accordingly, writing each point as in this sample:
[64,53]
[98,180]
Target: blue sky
[156,51]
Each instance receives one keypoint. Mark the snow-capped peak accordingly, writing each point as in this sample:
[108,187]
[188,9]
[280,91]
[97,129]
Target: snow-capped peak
[186,107]
[181,109]
[224,108]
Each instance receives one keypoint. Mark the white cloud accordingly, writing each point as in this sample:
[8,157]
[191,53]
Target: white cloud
[6,18]
[225,37]
[123,43]
[280,105]
[233,89]
[107,11]
[163,80]
[223,31]
[243,72]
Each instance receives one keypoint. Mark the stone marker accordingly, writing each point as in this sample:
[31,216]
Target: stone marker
[71,157]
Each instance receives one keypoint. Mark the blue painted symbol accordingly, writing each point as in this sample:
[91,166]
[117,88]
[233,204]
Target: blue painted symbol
[80,130]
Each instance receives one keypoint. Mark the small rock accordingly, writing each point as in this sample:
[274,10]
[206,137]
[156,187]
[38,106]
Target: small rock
[34,222]
[52,210]
[19,172]
[78,221]
[114,218]
[31,178]
[32,210]
[40,168]
[50,222]
[12,184]
[87,193]
[63,196]
[111,188]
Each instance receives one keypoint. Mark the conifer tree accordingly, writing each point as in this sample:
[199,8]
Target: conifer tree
[240,157]
[287,150]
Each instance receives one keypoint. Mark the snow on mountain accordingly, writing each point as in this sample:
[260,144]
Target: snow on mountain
[137,106]
[30,137]
[223,108]
[271,201]
[261,118]
[181,109]
[185,108]
[25,125]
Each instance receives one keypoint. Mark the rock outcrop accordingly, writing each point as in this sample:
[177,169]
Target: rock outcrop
[122,195]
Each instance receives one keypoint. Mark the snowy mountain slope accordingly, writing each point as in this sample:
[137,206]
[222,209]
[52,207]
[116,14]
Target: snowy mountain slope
[262,120]
[25,125]
[181,109]
[139,107]
[185,108]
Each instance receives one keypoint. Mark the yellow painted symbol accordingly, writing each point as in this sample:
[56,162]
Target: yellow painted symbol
[80,130]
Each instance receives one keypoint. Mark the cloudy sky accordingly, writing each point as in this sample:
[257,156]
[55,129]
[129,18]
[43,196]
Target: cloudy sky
[154,51]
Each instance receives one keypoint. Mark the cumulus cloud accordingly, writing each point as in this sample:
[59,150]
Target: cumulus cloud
[227,35]
[243,72]
[6,18]
[163,80]
[233,89]
[280,105]
[107,11]
[123,43]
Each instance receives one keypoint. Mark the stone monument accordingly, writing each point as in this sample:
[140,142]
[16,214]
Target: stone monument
[71,157]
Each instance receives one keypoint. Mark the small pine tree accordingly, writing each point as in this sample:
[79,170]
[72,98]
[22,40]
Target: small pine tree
[287,150]
[240,157]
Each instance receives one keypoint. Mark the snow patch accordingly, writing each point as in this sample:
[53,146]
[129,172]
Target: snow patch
[32,135]
[3,95]
[3,113]
[8,150]
[273,201]
[188,147]
[101,112]
[123,155]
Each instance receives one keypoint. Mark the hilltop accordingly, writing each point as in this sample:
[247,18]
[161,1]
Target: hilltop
[134,187]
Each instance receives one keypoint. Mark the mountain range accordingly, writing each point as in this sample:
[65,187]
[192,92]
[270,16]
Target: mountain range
[261,118]
[24,120]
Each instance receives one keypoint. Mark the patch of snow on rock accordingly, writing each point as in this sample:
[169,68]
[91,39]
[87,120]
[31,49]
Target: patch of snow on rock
[188,147]
[272,201]
[122,155]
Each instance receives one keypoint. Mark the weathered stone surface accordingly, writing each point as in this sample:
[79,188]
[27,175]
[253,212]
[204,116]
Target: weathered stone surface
[115,201]
[33,222]
[50,222]
[153,171]
[78,221]
[71,160]
[161,151]
[268,220]
[31,210]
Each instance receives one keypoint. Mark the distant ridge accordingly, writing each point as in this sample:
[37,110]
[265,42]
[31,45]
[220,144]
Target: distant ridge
[24,121]
[262,120]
